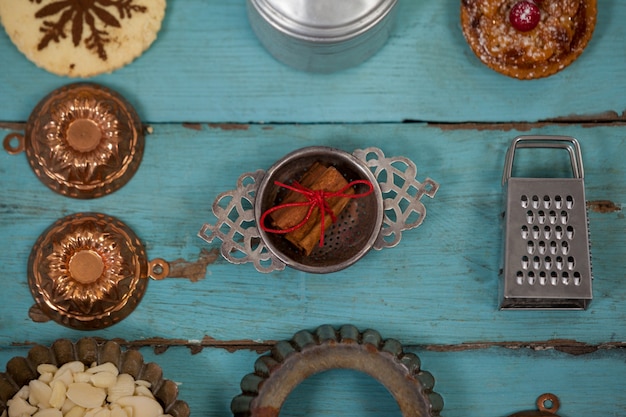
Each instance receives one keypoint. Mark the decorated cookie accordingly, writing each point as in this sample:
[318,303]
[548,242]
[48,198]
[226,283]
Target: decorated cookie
[82,38]
[528,39]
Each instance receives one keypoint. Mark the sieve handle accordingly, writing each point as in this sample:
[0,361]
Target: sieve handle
[568,143]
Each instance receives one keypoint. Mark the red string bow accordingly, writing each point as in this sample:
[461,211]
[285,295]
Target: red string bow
[314,198]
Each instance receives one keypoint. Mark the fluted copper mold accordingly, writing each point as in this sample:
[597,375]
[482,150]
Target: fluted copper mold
[82,140]
[89,271]
[277,373]
[21,370]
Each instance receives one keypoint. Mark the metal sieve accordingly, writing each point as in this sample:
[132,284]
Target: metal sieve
[547,261]
[346,240]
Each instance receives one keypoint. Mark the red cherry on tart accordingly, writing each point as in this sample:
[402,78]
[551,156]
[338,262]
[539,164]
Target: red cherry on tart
[525,16]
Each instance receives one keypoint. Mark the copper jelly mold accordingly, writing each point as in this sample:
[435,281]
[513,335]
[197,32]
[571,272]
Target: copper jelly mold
[82,140]
[89,271]
[21,370]
[376,221]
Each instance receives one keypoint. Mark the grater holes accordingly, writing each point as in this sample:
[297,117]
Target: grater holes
[525,262]
[547,232]
[564,217]
[553,218]
[554,278]
[542,247]
[577,279]
[530,217]
[524,201]
[525,232]
[547,202]
[554,248]
[564,247]
[559,263]
[547,261]
[569,202]
[558,232]
[541,217]
[536,262]
[535,202]
[565,279]
[531,278]
[543,278]
[570,262]
[536,232]
[558,202]
[570,232]
[530,247]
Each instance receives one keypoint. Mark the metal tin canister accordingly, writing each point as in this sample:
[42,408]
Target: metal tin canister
[322,35]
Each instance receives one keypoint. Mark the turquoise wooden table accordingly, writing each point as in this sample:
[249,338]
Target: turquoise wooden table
[218,106]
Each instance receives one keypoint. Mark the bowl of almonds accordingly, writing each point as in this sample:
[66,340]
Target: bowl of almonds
[89,378]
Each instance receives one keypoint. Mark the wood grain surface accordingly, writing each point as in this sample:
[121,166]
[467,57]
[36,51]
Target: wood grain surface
[219,106]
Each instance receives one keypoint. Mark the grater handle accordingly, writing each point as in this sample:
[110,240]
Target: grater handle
[568,143]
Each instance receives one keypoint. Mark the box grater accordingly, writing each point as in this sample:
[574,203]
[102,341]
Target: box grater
[547,261]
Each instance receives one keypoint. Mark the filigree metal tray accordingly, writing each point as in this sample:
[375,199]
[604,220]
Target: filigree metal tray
[396,208]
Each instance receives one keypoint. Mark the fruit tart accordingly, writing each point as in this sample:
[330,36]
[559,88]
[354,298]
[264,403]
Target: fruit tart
[528,39]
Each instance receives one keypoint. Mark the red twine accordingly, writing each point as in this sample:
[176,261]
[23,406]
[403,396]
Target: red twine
[315,198]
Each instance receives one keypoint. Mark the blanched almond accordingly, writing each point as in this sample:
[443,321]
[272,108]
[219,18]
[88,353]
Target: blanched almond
[86,395]
[103,379]
[58,395]
[105,367]
[76,411]
[40,393]
[141,406]
[124,386]
[18,407]
[48,412]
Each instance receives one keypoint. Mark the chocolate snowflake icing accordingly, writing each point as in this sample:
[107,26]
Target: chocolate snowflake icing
[95,15]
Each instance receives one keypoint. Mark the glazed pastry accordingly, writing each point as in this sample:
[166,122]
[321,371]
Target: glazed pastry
[528,39]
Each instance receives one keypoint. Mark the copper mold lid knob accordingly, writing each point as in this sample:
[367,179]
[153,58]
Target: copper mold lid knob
[307,353]
[89,271]
[547,406]
[376,221]
[82,140]
[21,370]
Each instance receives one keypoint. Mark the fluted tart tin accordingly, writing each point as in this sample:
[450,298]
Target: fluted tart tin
[82,140]
[384,202]
[89,271]
[322,35]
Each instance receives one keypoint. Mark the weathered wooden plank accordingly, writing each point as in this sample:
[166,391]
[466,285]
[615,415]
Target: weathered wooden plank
[439,286]
[207,65]
[495,382]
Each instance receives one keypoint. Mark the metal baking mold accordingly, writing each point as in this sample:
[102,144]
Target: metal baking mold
[307,353]
[547,406]
[21,370]
[88,271]
[322,36]
[82,140]
[375,222]
[547,259]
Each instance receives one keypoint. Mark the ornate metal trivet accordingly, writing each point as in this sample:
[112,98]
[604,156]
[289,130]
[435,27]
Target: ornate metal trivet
[82,140]
[89,271]
[242,241]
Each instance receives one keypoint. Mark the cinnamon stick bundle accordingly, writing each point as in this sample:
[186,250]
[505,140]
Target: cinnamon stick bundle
[318,177]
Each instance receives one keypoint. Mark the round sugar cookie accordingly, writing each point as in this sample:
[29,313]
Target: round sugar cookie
[82,38]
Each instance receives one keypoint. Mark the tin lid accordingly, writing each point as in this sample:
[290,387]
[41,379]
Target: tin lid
[324,20]
[89,271]
[84,140]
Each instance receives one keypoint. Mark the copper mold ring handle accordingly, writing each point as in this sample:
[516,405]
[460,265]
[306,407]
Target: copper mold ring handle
[290,362]
[548,398]
[11,147]
[158,269]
